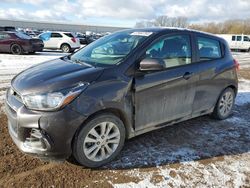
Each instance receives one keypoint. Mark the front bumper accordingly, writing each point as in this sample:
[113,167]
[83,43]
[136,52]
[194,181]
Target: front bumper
[43,134]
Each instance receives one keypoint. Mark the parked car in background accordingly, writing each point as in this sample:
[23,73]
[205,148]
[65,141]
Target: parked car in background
[18,43]
[65,41]
[84,39]
[123,85]
[237,42]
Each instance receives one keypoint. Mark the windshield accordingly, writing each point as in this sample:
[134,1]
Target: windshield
[111,49]
[22,35]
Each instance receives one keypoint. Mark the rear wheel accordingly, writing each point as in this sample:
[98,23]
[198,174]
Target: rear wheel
[65,48]
[224,106]
[99,141]
[16,49]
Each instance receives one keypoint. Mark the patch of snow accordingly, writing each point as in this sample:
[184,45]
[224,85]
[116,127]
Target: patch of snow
[242,98]
[10,65]
[194,174]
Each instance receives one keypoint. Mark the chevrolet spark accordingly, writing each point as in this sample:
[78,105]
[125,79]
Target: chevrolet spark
[87,104]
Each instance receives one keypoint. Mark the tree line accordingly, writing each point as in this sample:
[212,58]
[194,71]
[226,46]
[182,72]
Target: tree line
[237,26]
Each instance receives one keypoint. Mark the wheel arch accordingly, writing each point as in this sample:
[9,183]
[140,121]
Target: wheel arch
[114,111]
[63,44]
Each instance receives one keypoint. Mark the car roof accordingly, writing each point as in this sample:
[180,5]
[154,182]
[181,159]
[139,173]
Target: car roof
[170,30]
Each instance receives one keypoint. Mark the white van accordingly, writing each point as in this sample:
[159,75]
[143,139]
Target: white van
[237,42]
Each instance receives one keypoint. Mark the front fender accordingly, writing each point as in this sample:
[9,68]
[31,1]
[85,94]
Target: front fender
[111,95]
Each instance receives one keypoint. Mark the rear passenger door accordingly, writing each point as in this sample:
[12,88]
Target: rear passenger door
[55,40]
[211,67]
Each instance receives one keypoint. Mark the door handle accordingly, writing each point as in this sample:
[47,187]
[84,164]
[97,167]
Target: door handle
[187,75]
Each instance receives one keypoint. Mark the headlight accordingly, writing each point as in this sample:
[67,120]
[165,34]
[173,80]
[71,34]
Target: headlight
[55,100]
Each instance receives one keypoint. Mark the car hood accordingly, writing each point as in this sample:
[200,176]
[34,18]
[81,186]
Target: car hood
[53,76]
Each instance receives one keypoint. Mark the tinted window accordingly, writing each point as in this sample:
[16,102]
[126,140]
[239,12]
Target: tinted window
[246,38]
[233,38]
[69,35]
[56,35]
[239,38]
[173,50]
[209,49]
[4,36]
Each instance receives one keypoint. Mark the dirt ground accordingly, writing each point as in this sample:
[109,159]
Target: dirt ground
[197,153]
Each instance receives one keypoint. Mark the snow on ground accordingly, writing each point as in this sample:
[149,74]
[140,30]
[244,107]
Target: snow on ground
[201,152]
[10,65]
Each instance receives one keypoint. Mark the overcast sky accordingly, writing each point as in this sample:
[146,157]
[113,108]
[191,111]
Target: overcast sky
[122,12]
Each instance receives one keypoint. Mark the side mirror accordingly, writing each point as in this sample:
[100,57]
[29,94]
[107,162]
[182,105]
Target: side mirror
[151,64]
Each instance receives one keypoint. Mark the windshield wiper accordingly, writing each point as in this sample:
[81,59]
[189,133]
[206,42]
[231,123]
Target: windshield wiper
[79,61]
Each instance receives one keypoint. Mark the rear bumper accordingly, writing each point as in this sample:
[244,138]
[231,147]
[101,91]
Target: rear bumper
[42,134]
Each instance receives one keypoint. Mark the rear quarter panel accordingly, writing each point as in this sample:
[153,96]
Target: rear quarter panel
[214,77]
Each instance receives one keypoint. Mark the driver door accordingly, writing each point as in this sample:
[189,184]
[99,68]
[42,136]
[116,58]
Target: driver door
[166,95]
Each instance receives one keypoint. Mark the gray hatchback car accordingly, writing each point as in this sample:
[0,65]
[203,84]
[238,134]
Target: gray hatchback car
[120,86]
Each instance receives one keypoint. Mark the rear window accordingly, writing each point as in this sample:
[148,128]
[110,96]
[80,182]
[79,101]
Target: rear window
[246,38]
[209,49]
[69,35]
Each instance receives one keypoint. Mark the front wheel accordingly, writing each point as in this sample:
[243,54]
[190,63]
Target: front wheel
[224,106]
[99,141]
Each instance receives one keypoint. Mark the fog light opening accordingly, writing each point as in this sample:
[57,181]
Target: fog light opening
[37,140]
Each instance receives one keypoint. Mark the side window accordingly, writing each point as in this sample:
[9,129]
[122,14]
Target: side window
[4,36]
[233,38]
[209,49]
[56,35]
[173,50]
[239,38]
[246,38]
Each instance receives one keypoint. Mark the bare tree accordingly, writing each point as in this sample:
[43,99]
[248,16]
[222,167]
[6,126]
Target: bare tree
[240,26]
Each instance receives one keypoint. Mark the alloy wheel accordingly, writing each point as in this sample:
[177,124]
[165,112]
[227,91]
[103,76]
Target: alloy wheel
[226,103]
[101,141]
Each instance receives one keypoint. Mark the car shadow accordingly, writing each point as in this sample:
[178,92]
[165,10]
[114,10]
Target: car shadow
[192,140]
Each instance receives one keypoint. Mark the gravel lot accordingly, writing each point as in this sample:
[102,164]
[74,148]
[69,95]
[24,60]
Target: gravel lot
[201,152]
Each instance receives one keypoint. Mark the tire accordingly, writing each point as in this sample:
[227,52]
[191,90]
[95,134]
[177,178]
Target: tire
[224,105]
[66,48]
[16,49]
[93,146]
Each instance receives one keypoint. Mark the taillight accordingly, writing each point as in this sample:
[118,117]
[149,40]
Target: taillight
[73,39]
[237,65]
